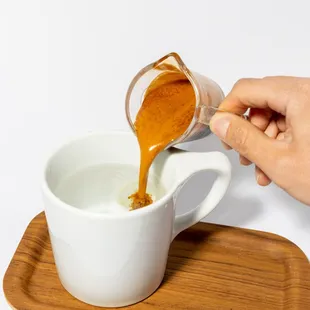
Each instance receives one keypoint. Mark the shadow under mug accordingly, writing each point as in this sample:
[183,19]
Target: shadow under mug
[117,259]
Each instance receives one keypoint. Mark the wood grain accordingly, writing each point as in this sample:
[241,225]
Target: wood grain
[210,267]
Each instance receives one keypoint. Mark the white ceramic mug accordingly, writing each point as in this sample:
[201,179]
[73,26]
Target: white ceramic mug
[114,259]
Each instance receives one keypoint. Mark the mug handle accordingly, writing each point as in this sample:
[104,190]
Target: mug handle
[192,163]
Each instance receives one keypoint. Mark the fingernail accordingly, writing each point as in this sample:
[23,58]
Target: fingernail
[219,125]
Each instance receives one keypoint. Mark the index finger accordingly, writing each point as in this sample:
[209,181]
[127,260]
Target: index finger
[270,92]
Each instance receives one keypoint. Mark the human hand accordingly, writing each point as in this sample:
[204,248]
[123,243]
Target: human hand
[277,136]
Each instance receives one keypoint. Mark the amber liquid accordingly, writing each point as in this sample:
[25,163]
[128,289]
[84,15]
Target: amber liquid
[166,112]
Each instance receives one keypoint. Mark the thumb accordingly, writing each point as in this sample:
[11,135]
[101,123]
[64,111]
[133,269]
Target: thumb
[246,139]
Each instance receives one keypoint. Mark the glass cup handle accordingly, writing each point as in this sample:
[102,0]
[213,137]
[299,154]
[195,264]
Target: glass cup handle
[207,112]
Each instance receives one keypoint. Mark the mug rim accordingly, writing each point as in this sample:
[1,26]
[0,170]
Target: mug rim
[48,193]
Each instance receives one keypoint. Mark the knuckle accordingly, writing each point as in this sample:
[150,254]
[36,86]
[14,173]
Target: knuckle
[239,139]
[241,83]
[269,78]
[303,86]
[275,78]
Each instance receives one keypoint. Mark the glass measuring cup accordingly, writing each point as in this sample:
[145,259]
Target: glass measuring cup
[208,95]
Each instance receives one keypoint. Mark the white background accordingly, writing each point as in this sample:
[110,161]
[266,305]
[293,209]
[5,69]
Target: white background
[65,67]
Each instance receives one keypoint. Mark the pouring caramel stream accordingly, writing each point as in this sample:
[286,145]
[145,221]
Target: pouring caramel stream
[167,110]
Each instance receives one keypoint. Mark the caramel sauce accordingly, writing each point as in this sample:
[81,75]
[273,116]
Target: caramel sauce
[166,112]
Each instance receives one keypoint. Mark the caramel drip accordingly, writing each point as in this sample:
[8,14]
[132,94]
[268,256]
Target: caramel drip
[166,112]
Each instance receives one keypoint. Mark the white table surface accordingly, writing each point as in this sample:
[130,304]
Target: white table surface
[65,67]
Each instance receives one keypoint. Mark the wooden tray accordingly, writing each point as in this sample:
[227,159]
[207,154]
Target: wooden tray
[210,267]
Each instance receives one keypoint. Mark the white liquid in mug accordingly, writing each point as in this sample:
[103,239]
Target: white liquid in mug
[105,188]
